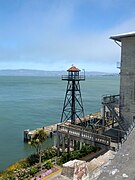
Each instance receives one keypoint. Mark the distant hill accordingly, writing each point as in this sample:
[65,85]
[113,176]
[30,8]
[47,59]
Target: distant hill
[95,73]
[28,72]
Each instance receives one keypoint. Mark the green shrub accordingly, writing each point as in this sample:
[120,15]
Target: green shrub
[49,153]
[53,151]
[8,176]
[33,159]
[33,170]
[46,155]
[48,165]
[24,163]
[75,155]
[65,157]
[18,165]
[59,162]
[85,150]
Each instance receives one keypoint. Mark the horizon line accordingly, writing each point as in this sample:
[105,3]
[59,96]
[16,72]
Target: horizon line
[53,70]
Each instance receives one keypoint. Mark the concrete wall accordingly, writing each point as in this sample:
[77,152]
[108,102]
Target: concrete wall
[127,79]
[75,170]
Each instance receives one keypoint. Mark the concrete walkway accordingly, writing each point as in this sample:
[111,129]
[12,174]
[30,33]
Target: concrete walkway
[53,175]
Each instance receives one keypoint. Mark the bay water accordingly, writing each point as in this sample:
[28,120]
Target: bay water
[32,102]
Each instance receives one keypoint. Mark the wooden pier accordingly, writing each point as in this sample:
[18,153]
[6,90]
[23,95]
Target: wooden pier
[71,136]
[48,129]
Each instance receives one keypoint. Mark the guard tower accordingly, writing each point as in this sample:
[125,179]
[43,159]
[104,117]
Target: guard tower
[127,76]
[73,105]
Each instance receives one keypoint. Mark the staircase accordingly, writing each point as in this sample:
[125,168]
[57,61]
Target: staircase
[111,102]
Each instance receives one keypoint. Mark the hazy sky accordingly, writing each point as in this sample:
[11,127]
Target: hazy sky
[54,34]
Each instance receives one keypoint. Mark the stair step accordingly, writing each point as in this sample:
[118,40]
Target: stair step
[120,121]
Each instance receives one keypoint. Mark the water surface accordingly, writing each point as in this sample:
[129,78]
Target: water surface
[32,102]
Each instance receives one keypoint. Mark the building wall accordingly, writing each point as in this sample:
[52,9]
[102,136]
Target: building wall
[127,79]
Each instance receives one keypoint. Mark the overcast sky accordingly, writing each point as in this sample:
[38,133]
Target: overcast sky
[54,34]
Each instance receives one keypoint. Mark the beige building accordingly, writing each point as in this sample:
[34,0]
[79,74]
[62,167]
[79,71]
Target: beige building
[127,76]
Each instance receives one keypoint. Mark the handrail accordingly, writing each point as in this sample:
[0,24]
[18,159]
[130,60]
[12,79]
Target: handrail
[111,99]
[73,77]
[84,134]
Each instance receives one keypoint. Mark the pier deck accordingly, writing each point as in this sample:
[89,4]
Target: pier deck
[53,128]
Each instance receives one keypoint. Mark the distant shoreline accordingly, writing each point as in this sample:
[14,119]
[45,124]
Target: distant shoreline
[28,72]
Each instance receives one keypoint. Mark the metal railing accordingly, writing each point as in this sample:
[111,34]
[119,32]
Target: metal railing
[86,135]
[73,77]
[111,99]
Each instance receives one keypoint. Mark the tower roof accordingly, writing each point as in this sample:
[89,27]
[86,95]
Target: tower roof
[120,36]
[73,69]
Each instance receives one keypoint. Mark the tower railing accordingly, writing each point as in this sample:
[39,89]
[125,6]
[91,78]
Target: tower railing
[73,77]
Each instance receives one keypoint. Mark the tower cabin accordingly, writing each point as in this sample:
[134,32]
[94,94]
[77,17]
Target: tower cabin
[127,76]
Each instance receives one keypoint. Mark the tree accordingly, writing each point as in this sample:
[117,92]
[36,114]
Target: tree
[37,141]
